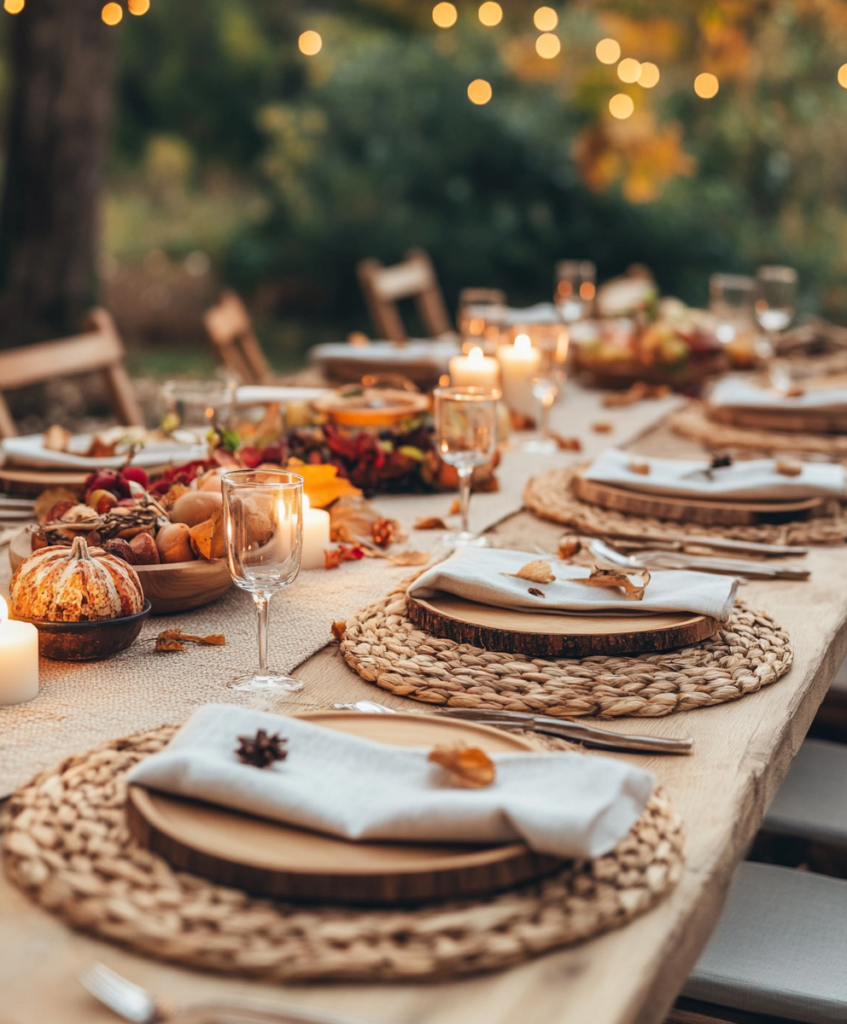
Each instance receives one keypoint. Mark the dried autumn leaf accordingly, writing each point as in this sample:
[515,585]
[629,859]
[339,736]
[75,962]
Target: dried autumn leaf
[430,523]
[602,427]
[795,391]
[168,645]
[409,558]
[566,444]
[352,520]
[333,557]
[569,546]
[455,507]
[536,592]
[617,578]
[175,639]
[469,766]
[338,629]
[640,467]
[789,467]
[535,572]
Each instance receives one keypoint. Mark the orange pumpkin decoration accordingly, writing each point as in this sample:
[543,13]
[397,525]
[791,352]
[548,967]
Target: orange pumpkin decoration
[60,584]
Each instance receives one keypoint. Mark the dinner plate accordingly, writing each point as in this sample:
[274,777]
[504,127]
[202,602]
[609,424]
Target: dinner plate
[30,451]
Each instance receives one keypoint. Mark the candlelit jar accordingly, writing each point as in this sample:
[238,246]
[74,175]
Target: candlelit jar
[519,364]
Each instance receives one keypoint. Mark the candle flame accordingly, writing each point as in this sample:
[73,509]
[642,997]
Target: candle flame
[523,343]
[476,356]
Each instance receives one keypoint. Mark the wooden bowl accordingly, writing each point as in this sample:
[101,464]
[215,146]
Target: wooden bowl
[88,641]
[175,587]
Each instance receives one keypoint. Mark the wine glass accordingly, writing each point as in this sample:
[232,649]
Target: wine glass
[465,437]
[776,293]
[263,530]
[552,344]
[575,288]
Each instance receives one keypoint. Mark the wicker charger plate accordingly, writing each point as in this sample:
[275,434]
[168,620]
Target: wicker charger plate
[386,648]
[68,846]
[551,496]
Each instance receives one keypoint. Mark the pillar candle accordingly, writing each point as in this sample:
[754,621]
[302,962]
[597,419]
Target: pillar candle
[18,659]
[519,363]
[315,536]
[475,370]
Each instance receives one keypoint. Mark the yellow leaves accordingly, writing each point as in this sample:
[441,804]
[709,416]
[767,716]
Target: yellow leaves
[469,766]
[536,572]
[616,578]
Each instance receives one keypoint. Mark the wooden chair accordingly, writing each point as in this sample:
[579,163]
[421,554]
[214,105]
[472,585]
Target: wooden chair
[99,349]
[415,278]
[231,332]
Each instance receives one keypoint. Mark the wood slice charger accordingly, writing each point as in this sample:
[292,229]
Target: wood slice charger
[708,511]
[173,587]
[557,635]
[285,862]
[793,421]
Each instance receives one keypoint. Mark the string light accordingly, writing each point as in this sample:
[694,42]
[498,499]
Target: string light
[548,46]
[842,72]
[621,106]
[310,43]
[649,75]
[13,6]
[608,51]
[445,15]
[629,70]
[545,19]
[112,14]
[706,85]
[480,92]
[490,14]
[138,7]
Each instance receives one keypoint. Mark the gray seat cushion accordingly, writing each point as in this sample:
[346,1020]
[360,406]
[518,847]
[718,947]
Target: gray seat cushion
[780,947]
[812,801]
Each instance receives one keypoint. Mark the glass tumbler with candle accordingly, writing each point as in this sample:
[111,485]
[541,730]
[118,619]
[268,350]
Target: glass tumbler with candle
[466,437]
[575,289]
[263,529]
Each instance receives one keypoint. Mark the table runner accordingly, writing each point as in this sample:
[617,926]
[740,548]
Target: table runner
[83,704]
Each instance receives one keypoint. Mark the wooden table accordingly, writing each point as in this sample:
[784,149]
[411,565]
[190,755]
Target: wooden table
[630,975]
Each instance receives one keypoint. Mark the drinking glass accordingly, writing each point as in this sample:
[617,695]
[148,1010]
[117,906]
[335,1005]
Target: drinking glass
[194,408]
[466,436]
[777,289]
[263,530]
[575,288]
[481,319]
[552,344]
[731,298]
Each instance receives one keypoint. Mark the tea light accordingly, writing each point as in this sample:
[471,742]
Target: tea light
[475,370]
[18,659]
[315,536]
[518,365]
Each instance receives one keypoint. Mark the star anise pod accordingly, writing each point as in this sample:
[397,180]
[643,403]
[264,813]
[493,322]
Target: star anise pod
[261,750]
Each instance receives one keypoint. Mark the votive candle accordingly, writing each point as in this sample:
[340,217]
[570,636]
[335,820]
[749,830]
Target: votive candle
[519,363]
[475,370]
[18,659]
[315,536]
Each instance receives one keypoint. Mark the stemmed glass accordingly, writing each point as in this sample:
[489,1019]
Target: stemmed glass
[774,308]
[575,288]
[465,436]
[552,344]
[263,530]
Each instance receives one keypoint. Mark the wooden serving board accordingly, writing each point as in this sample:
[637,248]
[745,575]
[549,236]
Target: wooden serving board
[563,635]
[709,512]
[177,587]
[793,421]
[286,862]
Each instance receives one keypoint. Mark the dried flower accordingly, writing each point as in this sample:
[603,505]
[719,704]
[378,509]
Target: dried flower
[617,578]
[789,467]
[333,557]
[535,572]
[536,592]
[383,531]
[175,640]
[338,630]
[430,523]
[469,766]
[262,749]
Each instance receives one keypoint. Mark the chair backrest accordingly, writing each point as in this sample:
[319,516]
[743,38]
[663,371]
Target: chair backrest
[414,278]
[230,330]
[98,349]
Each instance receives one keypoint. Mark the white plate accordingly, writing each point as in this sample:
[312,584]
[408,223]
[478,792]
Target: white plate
[254,394]
[438,353]
[30,451]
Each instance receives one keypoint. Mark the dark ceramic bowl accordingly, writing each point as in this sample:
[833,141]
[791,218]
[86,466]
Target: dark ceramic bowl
[88,641]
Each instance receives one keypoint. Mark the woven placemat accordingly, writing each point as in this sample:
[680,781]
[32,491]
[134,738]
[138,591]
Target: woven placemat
[386,648]
[68,846]
[692,422]
[551,496]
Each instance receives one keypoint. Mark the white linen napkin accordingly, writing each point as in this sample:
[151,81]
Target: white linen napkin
[561,804]
[741,394]
[754,479]
[477,574]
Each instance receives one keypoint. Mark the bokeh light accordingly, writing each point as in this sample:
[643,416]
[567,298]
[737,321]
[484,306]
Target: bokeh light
[138,7]
[444,15]
[706,85]
[112,14]
[649,75]
[548,46]
[621,106]
[490,13]
[480,92]
[629,70]
[13,6]
[842,72]
[310,43]
[608,51]
[545,19]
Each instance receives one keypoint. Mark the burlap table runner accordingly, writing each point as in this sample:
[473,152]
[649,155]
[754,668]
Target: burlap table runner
[67,845]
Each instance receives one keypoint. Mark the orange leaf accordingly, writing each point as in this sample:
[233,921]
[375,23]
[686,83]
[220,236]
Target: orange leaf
[469,766]
[323,485]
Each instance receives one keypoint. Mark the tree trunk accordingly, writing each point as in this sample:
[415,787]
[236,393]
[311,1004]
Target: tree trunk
[64,62]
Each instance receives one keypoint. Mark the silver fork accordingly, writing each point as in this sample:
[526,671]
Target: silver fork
[137,1005]
[720,566]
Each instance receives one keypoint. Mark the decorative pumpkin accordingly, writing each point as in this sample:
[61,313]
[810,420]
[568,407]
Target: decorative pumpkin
[60,584]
